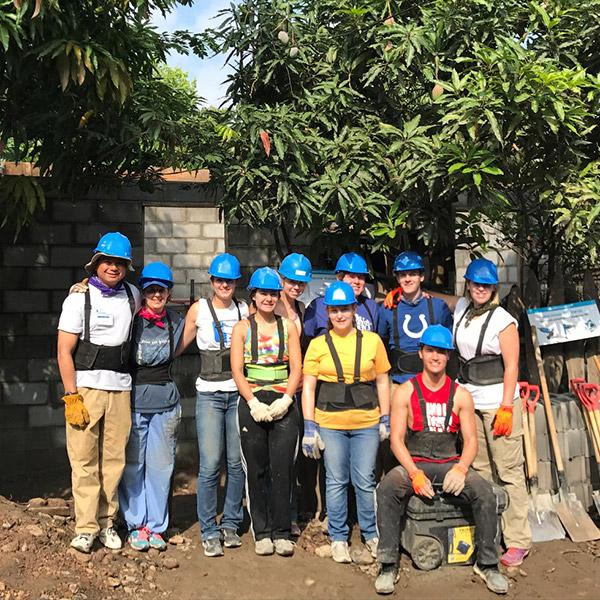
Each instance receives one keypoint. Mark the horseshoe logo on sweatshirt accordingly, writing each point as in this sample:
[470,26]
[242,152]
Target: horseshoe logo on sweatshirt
[414,334]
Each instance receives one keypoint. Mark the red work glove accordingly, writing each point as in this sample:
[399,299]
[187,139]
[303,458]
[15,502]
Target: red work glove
[392,298]
[421,485]
[503,421]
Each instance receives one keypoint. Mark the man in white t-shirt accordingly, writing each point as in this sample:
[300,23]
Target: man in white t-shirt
[94,333]
[211,321]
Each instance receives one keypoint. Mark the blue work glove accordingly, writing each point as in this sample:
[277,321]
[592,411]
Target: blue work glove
[312,444]
[384,427]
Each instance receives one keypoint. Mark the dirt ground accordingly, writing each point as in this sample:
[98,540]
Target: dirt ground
[35,563]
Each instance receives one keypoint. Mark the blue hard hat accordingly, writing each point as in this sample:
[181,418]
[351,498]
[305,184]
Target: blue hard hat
[352,263]
[408,261]
[297,267]
[225,266]
[265,278]
[437,336]
[482,270]
[339,293]
[156,273]
[114,245]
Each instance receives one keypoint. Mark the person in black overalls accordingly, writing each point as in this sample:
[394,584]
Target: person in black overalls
[434,438]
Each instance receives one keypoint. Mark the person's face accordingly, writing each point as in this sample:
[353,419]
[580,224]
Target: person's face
[223,288]
[410,281]
[434,359]
[481,292]
[293,289]
[266,300]
[341,317]
[357,281]
[156,297]
[111,270]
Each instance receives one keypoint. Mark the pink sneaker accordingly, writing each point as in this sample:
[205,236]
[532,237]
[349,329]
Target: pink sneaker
[514,557]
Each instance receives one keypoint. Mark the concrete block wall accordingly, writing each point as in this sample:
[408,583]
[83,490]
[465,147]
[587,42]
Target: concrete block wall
[506,260]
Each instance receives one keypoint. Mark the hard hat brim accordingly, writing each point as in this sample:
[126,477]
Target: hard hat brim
[161,282]
[90,266]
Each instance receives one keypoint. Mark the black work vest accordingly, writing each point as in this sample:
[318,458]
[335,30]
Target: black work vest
[90,357]
[156,374]
[340,395]
[434,445]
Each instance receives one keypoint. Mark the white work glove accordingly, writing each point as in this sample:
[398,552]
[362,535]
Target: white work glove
[279,407]
[312,444]
[384,428]
[454,482]
[259,411]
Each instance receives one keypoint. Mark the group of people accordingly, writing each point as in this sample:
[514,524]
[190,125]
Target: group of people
[336,377]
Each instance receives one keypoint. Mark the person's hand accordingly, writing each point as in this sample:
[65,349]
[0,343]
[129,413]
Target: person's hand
[312,444]
[76,413]
[454,482]
[503,421]
[421,485]
[81,287]
[280,406]
[259,411]
[392,298]
[384,427]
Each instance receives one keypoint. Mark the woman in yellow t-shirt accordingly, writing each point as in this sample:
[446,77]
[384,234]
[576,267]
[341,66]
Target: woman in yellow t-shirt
[346,415]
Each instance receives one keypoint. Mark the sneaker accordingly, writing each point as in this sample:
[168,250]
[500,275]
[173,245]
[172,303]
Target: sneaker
[138,539]
[295,529]
[514,557]
[156,541]
[372,546]
[284,547]
[231,539]
[264,547]
[495,581]
[110,539]
[83,542]
[388,576]
[340,552]
[212,547]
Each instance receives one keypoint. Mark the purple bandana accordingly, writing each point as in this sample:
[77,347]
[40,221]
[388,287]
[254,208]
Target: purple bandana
[105,290]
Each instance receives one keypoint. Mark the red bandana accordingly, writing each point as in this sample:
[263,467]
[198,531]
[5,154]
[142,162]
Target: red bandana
[153,317]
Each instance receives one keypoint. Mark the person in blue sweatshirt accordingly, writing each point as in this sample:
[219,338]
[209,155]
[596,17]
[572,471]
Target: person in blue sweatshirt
[406,314]
[352,269]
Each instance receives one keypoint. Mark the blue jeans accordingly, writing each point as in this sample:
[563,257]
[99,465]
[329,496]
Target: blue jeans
[350,455]
[150,459]
[216,424]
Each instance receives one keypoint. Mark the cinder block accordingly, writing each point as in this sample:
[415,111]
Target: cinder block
[170,245]
[513,274]
[70,256]
[198,246]
[45,416]
[13,369]
[12,417]
[82,211]
[43,323]
[167,214]
[90,234]
[13,278]
[28,346]
[197,261]
[49,278]
[54,233]
[25,393]
[43,369]
[24,301]
[157,230]
[15,325]
[187,230]
[25,256]
[213,230]
[166,258]
[199,276]
[510,258]
[121,211]
[20,440]
[220,245]
[188,407]
[202,214]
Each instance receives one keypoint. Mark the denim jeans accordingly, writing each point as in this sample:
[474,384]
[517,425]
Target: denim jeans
[350,455]
[216,424]
[150,459]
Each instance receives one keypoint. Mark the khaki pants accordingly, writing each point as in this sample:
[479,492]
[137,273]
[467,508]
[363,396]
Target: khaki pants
[97,457]
[500,459]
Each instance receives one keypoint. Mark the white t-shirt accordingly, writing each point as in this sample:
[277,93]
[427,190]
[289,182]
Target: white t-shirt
[110,321]
[207,338]
[486,397]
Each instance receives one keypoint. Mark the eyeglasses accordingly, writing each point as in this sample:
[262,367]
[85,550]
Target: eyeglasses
[154,290]
[294,283]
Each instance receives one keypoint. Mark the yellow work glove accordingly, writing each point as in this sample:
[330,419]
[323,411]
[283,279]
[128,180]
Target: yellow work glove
[75,411]
[503,421]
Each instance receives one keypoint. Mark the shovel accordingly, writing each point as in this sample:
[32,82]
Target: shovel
[571,512]
[543,520]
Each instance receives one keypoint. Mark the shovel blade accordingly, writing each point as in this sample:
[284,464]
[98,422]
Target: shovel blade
[596,499]
[544,522]
[575,519]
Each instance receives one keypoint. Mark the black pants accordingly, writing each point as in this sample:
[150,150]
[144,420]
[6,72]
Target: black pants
[268,455]
[394,492]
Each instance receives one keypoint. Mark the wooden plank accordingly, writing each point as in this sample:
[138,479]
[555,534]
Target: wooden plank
[554,362]
[574,352]
[531,299]
[592,347]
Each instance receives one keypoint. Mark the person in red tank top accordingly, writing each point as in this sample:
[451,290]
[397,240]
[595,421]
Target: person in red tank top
[433,436]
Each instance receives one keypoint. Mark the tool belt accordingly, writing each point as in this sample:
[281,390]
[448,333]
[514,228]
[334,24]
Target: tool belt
[157,374]
[89,356]
[263,374]
[486,369]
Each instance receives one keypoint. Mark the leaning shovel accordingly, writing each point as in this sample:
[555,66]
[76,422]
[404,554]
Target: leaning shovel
[543,520]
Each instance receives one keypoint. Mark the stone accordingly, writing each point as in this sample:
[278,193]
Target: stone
[10,546]
[61,511]
[153,553]
[34,502]
[57,502]
[323,551]
[7,525]
[309,582]
[170,563]
[176,539]
[36,530]
[361,556]
[80,556]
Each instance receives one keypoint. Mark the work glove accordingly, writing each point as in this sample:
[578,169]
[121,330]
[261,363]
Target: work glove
[80,287]
[421,485]
[454,482]
[75,411]
[259,411]
[279,407]
[503,421]
[312,444]
[392,298]
[384,427]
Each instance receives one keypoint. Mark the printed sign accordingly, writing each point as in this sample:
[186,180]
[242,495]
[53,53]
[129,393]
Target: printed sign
[565,322]
[460,544]
[320,281]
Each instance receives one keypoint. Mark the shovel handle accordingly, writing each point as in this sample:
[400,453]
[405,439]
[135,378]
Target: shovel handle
[524,391]
[527,443]
[532,402]
[590,392]
[592,427]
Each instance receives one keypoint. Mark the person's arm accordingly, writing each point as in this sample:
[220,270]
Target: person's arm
[238,335]
[509,346]
[450,300]
[295,359]
[309,387]
[465,410]
[382,383]
[189,329]
[67,342]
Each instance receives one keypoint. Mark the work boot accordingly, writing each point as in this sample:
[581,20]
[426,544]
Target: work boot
[284,547]
[212,547]
[264,547]
[110,539]
[340,552]
[495,581]
[231,539]
[388,575]
[372,546]
[83,542]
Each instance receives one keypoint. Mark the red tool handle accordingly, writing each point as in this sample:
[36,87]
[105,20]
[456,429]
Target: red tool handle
[591,391]
[524,391]
[532,402]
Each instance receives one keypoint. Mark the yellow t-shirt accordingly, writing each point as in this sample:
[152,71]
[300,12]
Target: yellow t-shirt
[318,362]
